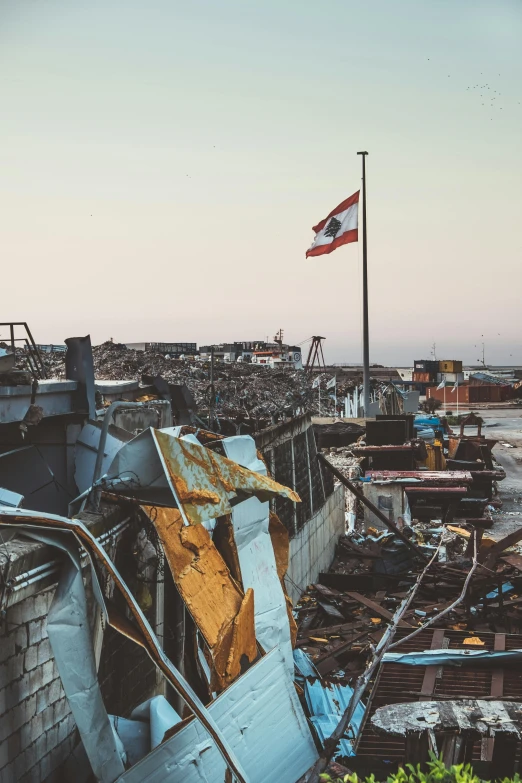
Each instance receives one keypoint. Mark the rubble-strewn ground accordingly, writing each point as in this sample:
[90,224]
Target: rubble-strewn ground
[240,387]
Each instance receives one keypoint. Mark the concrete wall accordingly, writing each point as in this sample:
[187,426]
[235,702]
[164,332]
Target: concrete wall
[312,549]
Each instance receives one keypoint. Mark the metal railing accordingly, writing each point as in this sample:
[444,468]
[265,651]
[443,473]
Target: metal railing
[31,355]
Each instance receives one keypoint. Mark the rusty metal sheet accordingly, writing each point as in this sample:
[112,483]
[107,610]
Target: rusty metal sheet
[214,600]
[158,468]
[250,521]
[238,642]
[223,538]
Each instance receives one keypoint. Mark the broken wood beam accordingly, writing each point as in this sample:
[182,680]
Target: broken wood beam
[377,512]
[380,610]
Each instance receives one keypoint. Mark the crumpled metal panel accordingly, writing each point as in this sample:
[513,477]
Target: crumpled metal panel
[262,719]
[157,468]
[250,521]
[327,701]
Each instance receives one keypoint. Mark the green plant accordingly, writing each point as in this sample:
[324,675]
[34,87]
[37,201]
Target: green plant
[436,773]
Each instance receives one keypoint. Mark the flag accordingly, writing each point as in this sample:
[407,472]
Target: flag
[456,384]
[339,228]
[442,384]
[316,382]
[331,383]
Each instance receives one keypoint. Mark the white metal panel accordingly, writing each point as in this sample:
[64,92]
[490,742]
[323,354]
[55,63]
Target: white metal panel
[261,717]
[250,521]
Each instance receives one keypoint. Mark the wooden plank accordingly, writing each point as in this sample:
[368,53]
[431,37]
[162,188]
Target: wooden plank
[513,560]
[497,678]
[501,545]
[497,691]
[379,610]
[430,674]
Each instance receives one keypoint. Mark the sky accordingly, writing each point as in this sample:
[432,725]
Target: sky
[162,164]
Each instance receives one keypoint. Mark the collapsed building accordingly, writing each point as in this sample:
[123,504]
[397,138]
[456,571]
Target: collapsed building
[147,571]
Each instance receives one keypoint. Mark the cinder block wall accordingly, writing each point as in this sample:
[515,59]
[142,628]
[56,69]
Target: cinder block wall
[312,549]
[37,730]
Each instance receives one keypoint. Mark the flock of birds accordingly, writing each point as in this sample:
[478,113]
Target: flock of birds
[491,98]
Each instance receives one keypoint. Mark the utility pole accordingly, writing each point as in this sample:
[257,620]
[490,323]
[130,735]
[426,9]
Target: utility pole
[366,339]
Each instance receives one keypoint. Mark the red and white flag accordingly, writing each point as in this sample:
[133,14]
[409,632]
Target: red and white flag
[339,228]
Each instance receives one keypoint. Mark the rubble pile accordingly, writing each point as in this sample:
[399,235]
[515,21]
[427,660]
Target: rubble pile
[239,387]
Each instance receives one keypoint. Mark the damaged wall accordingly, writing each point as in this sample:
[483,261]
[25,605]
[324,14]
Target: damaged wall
[37,730]
[315,524]
[312,549]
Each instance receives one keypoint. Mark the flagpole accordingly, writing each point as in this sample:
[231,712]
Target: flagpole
[366,346]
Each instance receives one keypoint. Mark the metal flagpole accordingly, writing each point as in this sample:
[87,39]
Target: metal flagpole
[366,346]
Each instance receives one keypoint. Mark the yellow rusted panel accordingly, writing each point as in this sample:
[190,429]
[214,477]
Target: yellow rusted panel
[206,482]
[237,645]
[200,573]
[435,460]
[223,538]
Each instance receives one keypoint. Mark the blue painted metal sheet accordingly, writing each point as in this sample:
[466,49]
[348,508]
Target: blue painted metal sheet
[454,657]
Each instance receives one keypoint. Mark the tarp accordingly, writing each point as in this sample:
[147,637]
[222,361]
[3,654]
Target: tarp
[327,702]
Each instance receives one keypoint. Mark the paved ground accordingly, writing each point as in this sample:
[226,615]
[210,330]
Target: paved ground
[505,426]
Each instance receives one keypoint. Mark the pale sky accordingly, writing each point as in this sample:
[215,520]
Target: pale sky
[162,164]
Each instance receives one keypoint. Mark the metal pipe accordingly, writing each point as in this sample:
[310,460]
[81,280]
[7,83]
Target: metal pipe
[366,338]
[378,513]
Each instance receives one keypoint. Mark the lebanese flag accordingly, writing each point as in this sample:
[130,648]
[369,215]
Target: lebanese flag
[339,228]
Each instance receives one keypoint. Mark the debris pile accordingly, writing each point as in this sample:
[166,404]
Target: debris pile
[421,563]
[239,389]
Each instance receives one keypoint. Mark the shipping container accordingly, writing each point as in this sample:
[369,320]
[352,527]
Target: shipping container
[422,377]
[450,365]
[460,395]
[426,365]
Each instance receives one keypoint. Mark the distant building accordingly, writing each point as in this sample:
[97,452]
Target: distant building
[172,349]
[272,354]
